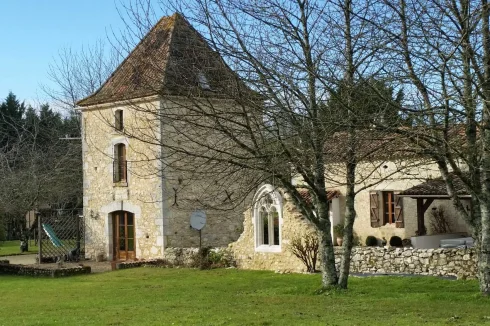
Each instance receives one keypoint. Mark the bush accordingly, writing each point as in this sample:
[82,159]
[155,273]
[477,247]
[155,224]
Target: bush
[396,241]
[371,241]
[339,230]
[440,221]
[206,258]
[306,249]
[356,240]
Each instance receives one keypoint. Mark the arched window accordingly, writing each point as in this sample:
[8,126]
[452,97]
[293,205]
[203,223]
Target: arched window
[120,163]
[267,219]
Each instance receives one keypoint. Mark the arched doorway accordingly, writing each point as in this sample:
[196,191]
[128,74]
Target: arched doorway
[124,244]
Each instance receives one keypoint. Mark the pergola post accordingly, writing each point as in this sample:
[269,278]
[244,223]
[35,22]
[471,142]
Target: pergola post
[422,207]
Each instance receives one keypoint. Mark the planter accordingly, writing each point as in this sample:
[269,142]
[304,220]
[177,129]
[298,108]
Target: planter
[432,241]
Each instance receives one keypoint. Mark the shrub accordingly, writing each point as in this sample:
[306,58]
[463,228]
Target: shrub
[440,222]
[356,239]
[396,241]
[206,258]
[306,249]
[407,242]
[339,230]
[371,241]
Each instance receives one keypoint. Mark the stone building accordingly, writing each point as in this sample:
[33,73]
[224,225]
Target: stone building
[397,195]
[135,205]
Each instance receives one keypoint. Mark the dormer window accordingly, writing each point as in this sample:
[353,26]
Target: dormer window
[203,81]
[118,121]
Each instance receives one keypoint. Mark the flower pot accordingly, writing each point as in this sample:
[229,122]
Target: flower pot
[339,241]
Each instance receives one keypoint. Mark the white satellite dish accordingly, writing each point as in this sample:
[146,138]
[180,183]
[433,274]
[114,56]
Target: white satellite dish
[198,219]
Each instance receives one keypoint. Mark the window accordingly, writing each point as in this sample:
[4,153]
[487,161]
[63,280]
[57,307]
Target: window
[386,207]
[120,163]
[118,120]
[203,81]
[267,217]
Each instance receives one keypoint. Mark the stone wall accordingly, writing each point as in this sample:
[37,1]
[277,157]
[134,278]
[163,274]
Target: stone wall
[438,262]
[293,225]
[161,204]
[12,269]
[390,176]
[140,195]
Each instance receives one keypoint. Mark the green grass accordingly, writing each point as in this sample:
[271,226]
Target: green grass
[154,296]
[13,247]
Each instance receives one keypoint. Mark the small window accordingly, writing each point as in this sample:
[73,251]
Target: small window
[120,163]
[118,121]
[203,81]
[267,213]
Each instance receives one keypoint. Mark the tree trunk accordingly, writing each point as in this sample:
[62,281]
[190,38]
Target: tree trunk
[350,215]
[329,273]
[484,248]
[484,245]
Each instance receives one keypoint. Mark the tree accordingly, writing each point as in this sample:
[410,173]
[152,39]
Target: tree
[439,51]
[38,167]
[296,63]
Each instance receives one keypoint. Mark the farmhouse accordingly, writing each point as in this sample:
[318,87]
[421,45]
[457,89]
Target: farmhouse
[135,206]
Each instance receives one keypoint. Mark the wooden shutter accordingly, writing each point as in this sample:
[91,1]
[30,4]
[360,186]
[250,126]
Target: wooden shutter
[374,209]
[399,211]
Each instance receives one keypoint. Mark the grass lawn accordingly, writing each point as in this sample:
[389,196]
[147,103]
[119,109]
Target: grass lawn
[155,296]
[13,247]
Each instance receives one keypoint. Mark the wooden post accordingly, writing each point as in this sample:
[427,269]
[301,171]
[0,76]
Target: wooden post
[39,237]
[78,233]
[420,216]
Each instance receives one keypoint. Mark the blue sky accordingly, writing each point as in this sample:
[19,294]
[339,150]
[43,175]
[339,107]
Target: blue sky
[33,31]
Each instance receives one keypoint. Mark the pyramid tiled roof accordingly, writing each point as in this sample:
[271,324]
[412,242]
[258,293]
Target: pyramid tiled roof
[172,59]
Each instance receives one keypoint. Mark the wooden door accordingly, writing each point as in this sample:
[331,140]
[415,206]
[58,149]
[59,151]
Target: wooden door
[123,231]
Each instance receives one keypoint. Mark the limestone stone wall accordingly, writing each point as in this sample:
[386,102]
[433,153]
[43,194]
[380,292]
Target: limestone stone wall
[438,262]
[389,176]
[162,199]
[293,225]
[197,184]
[142,193]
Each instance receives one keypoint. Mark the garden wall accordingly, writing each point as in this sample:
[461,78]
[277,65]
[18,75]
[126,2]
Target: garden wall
[12,269]
[439,262]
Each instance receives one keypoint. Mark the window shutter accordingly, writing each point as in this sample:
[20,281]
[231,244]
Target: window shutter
[399,211]
[374,209]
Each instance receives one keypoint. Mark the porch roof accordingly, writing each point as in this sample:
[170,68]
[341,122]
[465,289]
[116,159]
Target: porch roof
[436,188]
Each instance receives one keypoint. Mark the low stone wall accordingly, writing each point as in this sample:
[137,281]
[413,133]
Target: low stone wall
[12,269]
[439,262]
[461,263]
[176,257]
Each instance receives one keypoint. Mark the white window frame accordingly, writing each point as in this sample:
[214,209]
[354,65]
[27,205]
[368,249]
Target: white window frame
[266,190]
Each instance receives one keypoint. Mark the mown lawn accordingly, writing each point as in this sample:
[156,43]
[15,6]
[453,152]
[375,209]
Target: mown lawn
[13,247]
[155,296]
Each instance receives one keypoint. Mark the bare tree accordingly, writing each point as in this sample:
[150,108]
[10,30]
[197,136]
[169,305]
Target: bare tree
[438,52]
[271,120]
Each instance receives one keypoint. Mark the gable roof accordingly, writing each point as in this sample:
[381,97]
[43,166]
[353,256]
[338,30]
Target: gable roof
[172,59]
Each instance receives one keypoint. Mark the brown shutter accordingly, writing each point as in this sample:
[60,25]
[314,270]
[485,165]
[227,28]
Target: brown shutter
[399,211]
[374,209]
